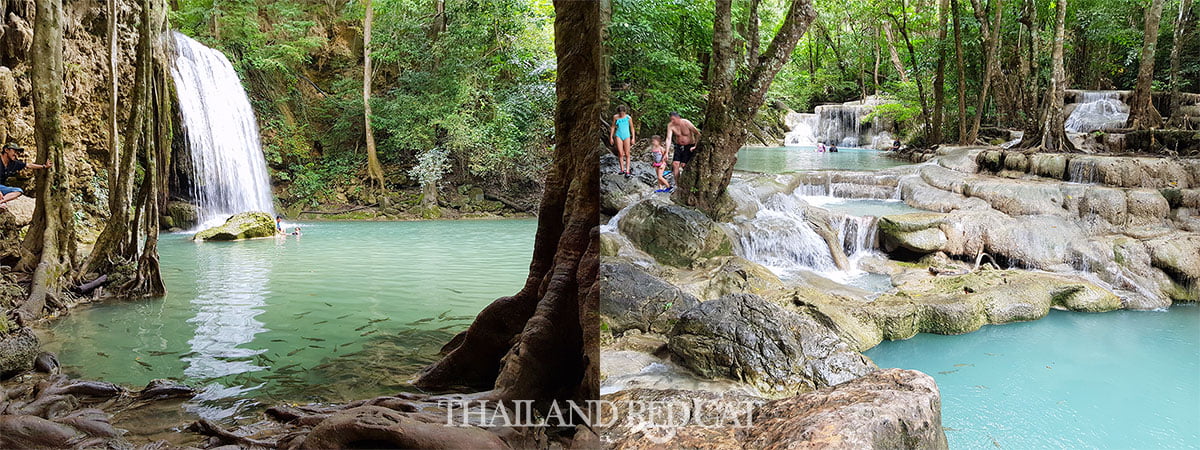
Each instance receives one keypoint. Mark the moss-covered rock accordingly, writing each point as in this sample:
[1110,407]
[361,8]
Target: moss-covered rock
[183,214]
[246,225]
[674,235]
[17,351]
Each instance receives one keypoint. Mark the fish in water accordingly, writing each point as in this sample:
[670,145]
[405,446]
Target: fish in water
[293,352]
[102,325]
[302,314]
[316,346]
[102,354]
[342,317]
[157,353]
[327,304]
[379,320]
[369,333]
[315,339]
[321,322]
[947,372]
[964,365]
[289,366]
[443,315]
[143,363]
[1048,367]
[362,327]
[997,444]
[456,291]
[992,354]
[980,386]
[420,321]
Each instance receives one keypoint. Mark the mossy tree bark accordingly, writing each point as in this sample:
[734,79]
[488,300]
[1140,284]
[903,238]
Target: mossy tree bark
[541,343]
[1142,114]
[733,101]
[49,246]
[962,80]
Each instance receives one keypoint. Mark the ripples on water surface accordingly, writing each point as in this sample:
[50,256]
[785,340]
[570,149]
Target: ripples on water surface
[1121,379]
[793,159]
[348,310]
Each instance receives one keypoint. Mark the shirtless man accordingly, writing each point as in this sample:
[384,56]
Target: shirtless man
[685,134]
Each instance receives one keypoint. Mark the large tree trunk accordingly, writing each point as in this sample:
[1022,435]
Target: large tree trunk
[989,63]
[1181,25]
[374,169]
[732,103]
[1142,114]
[49,247]
[541,344]
[1053,138]
[939,77]
[962,82]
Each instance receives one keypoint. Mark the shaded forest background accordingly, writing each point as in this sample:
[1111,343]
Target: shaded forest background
[661,52]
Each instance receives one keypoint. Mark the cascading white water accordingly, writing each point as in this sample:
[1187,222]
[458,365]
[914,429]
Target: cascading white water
[780,237]
[858,234]
[222,134]
[1097,110]
[840,125]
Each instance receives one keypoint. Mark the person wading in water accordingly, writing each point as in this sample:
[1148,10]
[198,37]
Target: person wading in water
[685,134]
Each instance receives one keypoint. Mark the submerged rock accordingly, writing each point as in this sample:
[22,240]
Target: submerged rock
[246,225]
[183,214]
[673,234]
[746,338]
[891,408]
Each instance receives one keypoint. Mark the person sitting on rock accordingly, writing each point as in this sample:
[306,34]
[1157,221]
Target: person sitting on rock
[895,145]
[10,165]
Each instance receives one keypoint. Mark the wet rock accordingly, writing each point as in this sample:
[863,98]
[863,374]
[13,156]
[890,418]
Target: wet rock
[632,298]
[780,352]
[18,349]
[160,389]
[1177,255]
[24,431]
[916,232]
[672,234]
[617,192]
[891,408]
[246,225]
[728,275]
[46,363]
[183,214]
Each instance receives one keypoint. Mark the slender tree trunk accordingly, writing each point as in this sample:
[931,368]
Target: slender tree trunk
[902,25]
[113,75]
[732,104]
[939,77]
[989,64]
[878,57]
[374,169]
[752,34]
[1181,25]
[1053,137]
[1142,114]
[837,53]
[49,247]
[887,28]
[962,82]
[439,20]
[541,344]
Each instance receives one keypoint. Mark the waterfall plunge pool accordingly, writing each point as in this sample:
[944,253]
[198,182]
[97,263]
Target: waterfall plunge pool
[1120,379]
[348,310]
[796,159]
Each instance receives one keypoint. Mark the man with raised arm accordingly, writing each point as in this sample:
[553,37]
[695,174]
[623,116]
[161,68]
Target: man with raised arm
[9,166]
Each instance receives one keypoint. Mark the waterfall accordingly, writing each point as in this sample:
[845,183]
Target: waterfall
[780,236]
[840,124]
[858,234]
[1097,110]
[230,172]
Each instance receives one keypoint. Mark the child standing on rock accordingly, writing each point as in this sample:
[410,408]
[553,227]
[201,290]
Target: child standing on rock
[659,152]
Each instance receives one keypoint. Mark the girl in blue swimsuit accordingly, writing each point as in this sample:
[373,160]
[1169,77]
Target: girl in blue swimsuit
[624,134]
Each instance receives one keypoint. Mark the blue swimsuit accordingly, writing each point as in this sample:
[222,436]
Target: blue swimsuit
[623,128]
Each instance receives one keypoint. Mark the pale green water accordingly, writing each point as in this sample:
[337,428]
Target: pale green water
[348,310]
[794,159]
[1122,379]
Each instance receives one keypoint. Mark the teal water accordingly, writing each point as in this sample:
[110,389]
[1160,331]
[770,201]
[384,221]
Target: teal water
[795,159]
[348,310]
[1121,379]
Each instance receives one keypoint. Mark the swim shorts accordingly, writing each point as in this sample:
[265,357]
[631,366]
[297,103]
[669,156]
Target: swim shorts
[684,153]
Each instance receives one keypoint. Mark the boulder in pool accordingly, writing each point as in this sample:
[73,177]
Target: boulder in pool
[246,225]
